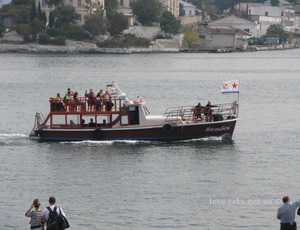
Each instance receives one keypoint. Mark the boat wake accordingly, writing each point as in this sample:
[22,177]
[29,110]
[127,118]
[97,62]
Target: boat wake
[12,139]
[112,142]
[12,135]
[143,142]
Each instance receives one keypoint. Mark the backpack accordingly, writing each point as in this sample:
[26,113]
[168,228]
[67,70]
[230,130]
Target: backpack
[56,221]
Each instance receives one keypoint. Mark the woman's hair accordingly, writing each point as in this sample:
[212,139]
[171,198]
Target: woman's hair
[36,203]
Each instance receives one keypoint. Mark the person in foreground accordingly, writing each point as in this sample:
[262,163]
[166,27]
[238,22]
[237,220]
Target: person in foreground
[54,216]
[286,214]
[35,214]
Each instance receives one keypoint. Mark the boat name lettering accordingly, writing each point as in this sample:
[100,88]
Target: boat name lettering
[219,129]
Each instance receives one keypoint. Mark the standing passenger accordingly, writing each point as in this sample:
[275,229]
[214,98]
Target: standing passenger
[36,215]
[286,214]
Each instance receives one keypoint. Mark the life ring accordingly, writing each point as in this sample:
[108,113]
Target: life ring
[167,129]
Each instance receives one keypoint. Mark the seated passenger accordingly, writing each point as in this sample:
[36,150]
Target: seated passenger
[92,124]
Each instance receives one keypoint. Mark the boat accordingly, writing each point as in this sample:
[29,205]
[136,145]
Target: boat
[115,117]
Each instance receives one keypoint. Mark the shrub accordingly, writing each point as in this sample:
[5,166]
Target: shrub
[169,24]
[2,30]
[117,23]
[95,24]
[76,32]
[125,41]
[45,39]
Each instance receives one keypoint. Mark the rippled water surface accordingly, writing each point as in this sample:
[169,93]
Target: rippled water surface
[198,184]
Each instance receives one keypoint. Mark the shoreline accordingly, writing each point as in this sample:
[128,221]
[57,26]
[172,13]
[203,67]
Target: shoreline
[33,48]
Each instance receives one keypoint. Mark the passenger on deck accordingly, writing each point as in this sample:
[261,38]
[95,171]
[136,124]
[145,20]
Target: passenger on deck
[100,93]
[56,103]
[98,104]
[91,99]
[82,122]
[92,124]
[208,111]
[70,93]
[198,111]
[109,105]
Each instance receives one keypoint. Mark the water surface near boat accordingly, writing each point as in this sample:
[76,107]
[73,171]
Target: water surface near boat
[199,184]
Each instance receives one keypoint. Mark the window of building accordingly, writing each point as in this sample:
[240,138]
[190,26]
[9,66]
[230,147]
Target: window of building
[122,2]
[79,3]
[266,13]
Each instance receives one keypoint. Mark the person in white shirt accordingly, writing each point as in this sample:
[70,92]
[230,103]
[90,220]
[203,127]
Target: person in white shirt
[52,206]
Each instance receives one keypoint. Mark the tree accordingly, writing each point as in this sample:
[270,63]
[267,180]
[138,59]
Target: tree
[190,38]
[37,26]
[117,23]
[95,24]
[111,7]
[2,30]
[63,16]
[276,30]
[55,2]
[169,24]
[181,10]
[147,11]
[275,2]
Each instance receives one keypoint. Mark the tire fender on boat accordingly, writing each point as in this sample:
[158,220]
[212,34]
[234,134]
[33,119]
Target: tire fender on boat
[167,129]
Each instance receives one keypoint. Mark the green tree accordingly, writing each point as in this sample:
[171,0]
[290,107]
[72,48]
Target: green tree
[63,16]
[55,2]
[95,24]
[147,11]
[275,2]
[190,38]
[2,30]
[169,24]
[117,23]
[37,26]
[111,7]
[276,30]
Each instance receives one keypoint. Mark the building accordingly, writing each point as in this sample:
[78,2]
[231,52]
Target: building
[172,6]
[80,6]
[125,9]
[264,14]
[188,9]
[4,2]
[223,38]
[235,22]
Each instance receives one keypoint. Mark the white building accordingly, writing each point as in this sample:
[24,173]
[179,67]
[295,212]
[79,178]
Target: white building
[125,9]
[172,6]
[235,22]
[80,6]
[188,9]
[266,14]
[4,2]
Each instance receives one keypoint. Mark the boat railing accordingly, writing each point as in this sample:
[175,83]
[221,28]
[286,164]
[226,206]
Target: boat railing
[202,113]
[85,105]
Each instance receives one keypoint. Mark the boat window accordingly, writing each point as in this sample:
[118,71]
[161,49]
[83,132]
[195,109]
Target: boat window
[58,119]
[73,120]
[124,120]
[103,120]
